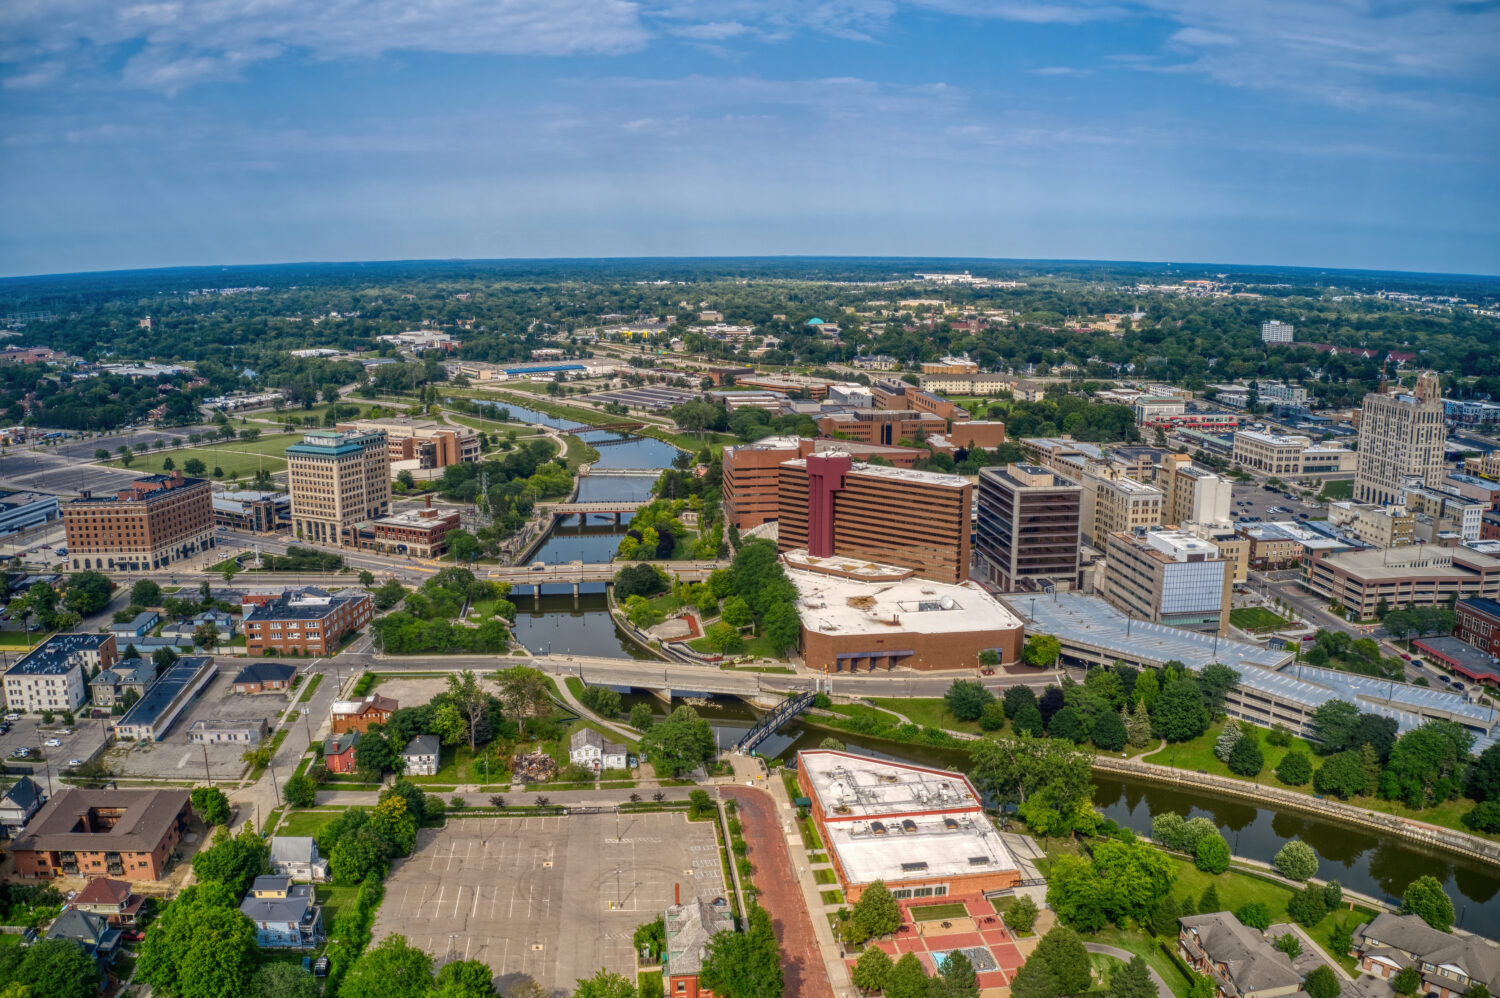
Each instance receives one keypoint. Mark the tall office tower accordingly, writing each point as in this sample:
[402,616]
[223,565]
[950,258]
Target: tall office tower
[338,480]
[1400,436]
[1027,535]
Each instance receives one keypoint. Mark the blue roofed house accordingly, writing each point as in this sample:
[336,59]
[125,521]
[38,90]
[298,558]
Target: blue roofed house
[137,627]
[284,913]
[93,934]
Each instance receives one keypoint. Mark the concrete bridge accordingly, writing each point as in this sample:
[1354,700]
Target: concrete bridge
[653,473]
[613,507]
[576,572]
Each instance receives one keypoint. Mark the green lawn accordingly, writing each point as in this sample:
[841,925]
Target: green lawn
[753,646]
[578,453]
[825,877]
[335,899]
[650,984]
[1198,754]
[306,822]
[834,896]
[1138,943]
[930,712]
[1252,618]
[310,688]
[234,457]
[21,639]
[938,912]
[1337,490]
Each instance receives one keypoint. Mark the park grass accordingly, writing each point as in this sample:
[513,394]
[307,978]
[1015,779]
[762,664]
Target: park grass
[929,712]
[938,912]
[753,646]
[1198,754]
[1251,618]
[234,456]
[824,877]
[578,453]
[1337,490]
[1138,943]
[307,822]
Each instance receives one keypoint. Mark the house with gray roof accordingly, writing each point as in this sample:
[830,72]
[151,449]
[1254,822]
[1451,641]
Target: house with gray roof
[109,686]
[421,755]
[1450,964]
[689,927]
[21,801]
[183,631]
[137,627]
[91,932]
[1240,961]
[284,913]
[589,750]
[296,857]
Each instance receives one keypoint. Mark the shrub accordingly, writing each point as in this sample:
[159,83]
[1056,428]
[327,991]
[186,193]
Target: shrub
[1254,915]
[1246,759]
[1308,906]
[1022,915]
[1483,817]
[1212,854]
[1296,860]
[1295,769]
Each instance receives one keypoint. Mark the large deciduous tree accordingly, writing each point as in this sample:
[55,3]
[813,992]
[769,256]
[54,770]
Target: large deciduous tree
[680,744]
[200,947]
[744,964]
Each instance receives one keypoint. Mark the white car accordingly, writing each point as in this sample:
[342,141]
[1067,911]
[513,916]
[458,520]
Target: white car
[12,717]
[52,742]
[75,763]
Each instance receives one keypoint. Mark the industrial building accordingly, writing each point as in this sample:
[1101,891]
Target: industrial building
[922,832]
[153,715]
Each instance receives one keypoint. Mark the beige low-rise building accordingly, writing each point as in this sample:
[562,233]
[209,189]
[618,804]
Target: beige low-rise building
[1290,454]
[430,444]
[1380,526]
[1168,577]
[1418,576]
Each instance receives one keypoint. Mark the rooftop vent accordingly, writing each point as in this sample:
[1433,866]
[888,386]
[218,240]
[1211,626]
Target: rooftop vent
[878,827]
[979,861]
[907,825]
[889,778]
[917,867]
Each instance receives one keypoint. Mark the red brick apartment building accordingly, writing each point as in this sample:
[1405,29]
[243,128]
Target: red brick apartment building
[919,520]
[752,472]
[157,521]
[125,834]
[1478,624]
[308,621]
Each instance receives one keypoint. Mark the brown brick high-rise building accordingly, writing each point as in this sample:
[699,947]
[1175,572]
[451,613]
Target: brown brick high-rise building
[158,520]
[833,507]
[752,472]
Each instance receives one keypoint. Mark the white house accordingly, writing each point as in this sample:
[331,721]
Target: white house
[296,856]
[421,755]
[590,750]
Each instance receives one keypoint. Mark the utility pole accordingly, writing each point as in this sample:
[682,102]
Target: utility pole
[206,775]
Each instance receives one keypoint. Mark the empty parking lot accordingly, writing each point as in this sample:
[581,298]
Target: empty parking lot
[555,898]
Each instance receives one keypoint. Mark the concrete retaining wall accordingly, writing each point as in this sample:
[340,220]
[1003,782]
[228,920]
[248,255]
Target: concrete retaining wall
[1417,832]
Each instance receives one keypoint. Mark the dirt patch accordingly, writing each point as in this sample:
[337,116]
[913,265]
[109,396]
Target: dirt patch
[781,894]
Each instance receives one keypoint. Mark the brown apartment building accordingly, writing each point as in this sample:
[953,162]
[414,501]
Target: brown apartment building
[308,621]
[125,834]
[752,472]
[425,441]
[156,521]
[832,507]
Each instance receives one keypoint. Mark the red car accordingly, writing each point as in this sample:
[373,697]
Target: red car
[133,936]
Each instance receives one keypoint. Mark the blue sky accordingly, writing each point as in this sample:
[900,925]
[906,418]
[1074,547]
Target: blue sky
[1344,133]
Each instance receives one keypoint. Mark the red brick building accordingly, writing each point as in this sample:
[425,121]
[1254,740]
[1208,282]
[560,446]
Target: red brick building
[124,834]
[1478,624]
[308,621]
[420,533]
[358,715]
[157,521]
[338,752]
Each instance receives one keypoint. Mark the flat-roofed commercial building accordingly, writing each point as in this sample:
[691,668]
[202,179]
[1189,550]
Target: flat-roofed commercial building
[1169,577]
[967,384]
[156,521]
[153,715]
[1447,509]
[950,365]
[53,676]
[834,508]
[1112,505]
[23,510]
[1485,490]
[309,621]
[1378,526]
[1193,493]
[1400,437]
[1026,537]
[1149,409]
[417,533]
[1290,454]
[338,479]
[882,426]
[1283,543]
[251,511]
[860,617]
[126,834]
[922,832]
[431,444]
[1422,575]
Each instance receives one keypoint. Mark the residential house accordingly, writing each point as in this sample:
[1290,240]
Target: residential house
[137,627]
[112,900]
[296,856]
[21,801]
[689,927]
[265,677]
[1240,961]
[133,675]
[285,914]
[591,751]
[185,631]
[421,756]
[1450,964]
[91,932]
[358,715]
[338,752]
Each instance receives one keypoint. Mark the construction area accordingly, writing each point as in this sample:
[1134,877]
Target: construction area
[554,898]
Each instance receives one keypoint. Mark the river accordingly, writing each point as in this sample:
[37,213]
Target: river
[1363,861]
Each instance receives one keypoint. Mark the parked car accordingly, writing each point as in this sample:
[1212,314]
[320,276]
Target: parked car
[75,763]
[133,936]
[52,742]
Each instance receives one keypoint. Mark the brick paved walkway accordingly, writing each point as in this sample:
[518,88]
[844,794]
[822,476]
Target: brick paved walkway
[781,894]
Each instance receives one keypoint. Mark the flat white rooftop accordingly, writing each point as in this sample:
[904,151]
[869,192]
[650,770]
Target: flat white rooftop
[935,478]
[893,822]
[917,606]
